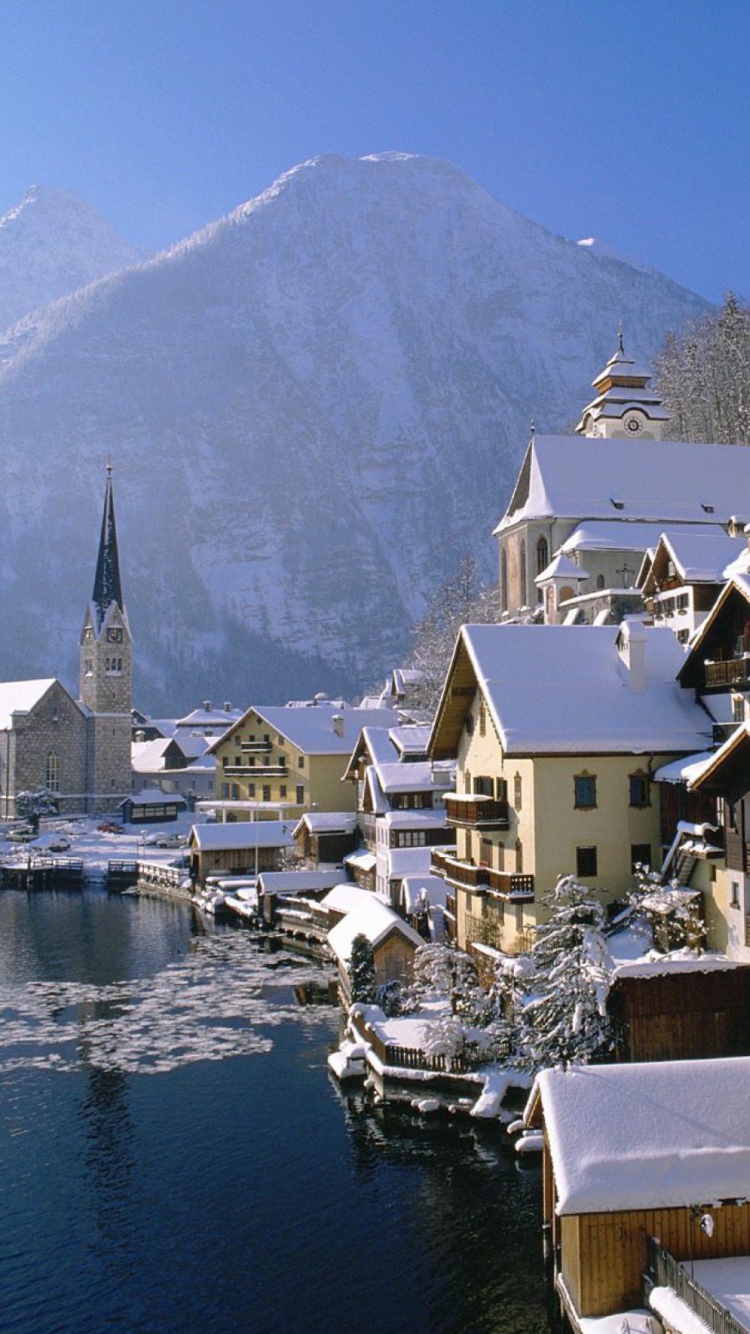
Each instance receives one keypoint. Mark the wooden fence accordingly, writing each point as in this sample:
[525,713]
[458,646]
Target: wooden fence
[664,1271]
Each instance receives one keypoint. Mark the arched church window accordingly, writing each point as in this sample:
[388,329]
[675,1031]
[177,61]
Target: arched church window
[600,581]
[542,555]
[52,773]
[522,562]
[504,579]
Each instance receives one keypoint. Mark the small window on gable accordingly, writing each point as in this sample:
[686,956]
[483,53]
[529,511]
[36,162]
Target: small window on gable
[585,792]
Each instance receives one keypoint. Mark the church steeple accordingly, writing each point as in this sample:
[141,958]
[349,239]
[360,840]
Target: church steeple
[107,586]
[624,407]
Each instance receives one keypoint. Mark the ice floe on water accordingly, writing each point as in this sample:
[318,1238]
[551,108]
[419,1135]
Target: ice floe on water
[222,998]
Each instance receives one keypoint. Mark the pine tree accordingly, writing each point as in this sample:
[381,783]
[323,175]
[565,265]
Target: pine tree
[704,377]
[563,1017]
[361,968]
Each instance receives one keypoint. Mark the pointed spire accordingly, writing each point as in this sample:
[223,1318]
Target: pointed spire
[107,587]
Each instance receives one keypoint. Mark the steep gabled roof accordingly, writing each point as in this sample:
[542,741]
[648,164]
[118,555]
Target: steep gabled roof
[668,481]
[21,697]
[555,689]
[664,1135]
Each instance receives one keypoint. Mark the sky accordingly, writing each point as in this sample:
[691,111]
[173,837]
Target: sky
[628,122]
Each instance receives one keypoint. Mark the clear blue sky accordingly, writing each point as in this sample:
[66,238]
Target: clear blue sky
[627,121]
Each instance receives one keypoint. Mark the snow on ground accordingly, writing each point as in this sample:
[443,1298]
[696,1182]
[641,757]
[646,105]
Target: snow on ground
[635,1322]
[728,1281]
[97,847]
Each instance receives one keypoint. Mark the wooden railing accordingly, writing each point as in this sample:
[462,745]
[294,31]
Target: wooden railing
[470,1057]
[664,1271]
[731,672]
[514,887]
[458,872]
[477,811]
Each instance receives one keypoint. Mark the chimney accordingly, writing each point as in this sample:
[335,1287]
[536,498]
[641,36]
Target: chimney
[227,706]
[207,706]
[338,724]
[632,641]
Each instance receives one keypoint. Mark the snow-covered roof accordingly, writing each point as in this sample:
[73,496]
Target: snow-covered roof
[297,882]
[147,757]
[578,477]
[554,689]
[414,777]
[561,567]
[344,897]
[242,834]
[312,729]
[685,770]
[414,887]
[372,919]
[611,535]
[155,796]
[410,738]
[361,860]
[408,861]
[327,822]
[662,1135]
[429,819]
[20,697]
[704,556]
[208,716]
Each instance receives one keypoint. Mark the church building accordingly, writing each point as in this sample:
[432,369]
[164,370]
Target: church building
[79,751]
[587,507]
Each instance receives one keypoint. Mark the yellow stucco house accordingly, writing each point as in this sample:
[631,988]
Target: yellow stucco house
[557,731]
[290,759]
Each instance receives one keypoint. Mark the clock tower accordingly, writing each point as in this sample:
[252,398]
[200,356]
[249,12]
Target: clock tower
[106,664]
[625,407]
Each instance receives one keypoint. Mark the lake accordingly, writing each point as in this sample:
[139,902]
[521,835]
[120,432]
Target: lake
[174,1155]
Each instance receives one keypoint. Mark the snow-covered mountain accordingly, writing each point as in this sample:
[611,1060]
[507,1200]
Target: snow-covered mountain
[314,407]
[51,244]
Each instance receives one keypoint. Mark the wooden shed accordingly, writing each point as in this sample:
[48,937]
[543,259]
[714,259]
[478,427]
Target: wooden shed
[642,1151]
[681,1009]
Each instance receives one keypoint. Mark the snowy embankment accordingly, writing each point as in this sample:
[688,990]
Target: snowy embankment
[373,1039]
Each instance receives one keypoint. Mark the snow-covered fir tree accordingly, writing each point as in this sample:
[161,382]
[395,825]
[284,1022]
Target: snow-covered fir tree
[562,1018]
[361,967]
[704,377]
[456,602]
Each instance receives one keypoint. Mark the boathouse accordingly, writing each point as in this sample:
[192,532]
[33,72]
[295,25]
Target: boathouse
[635,1154]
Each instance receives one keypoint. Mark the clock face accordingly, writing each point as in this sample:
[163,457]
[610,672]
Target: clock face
[634,426]
[114,635]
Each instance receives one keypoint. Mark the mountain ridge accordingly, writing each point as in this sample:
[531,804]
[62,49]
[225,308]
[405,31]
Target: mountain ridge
[315,406]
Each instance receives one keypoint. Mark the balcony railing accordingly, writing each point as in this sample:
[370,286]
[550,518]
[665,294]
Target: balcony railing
[255,747]
[732,672]
[253,772]
[664,1271]
[458,872]
[514,887]
[476,811]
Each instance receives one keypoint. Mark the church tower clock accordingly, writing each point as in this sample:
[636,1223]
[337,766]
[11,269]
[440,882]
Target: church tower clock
[106,664]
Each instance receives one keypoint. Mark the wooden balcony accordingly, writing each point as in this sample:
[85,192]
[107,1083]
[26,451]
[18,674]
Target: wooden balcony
[476,812]
[515,888]
[731,672]
[255,747]
[459,873]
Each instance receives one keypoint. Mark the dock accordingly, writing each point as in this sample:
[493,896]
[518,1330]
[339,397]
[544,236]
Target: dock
[42,873]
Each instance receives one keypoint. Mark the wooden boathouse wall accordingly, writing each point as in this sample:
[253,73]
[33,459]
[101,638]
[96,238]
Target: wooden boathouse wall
[603,1256]
[682,1016]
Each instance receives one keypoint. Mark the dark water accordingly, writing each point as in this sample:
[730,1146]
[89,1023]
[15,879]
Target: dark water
[175,1157]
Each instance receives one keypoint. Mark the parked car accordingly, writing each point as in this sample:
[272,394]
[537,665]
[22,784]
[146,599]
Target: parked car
[110,827]
[21,833]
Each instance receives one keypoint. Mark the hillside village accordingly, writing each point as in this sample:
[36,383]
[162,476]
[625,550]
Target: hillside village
[536,899]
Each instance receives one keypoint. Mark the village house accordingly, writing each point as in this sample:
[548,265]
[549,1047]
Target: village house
[557,732]
[601,498]
[647,1188]
[400,806]
[392,940]
[242,848]
[683,578]
[79,751]
[289,759]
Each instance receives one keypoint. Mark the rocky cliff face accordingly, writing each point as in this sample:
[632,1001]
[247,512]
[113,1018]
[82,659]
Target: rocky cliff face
[314,407]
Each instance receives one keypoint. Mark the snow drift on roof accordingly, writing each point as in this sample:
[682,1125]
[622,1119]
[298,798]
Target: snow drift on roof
[662,1135]
[20,697]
